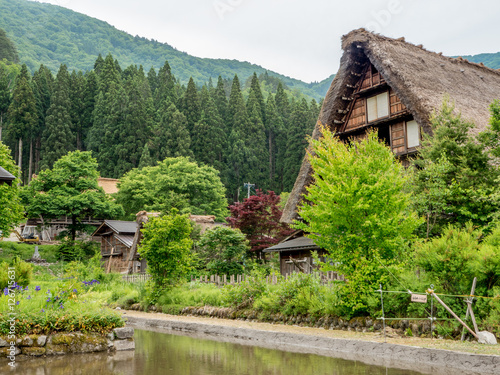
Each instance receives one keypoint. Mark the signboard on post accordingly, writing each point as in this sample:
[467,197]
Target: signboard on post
[420,298]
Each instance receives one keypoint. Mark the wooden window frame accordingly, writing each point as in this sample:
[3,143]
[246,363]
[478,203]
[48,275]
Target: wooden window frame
[388,107]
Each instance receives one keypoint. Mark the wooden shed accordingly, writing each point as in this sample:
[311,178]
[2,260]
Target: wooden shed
[393,87]
[6,177]
[117,238]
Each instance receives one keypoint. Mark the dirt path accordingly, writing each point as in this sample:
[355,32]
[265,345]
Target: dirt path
[456,346]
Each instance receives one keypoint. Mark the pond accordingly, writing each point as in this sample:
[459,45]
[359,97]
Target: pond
[161,353]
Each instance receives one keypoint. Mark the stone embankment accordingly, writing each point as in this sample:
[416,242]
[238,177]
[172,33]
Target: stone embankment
[64,343]
[360,324]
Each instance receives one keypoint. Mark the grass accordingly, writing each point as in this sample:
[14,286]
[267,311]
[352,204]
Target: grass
[26,251]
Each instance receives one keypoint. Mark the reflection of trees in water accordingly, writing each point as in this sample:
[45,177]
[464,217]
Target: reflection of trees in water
[164,354]
[170,354]
[77,364]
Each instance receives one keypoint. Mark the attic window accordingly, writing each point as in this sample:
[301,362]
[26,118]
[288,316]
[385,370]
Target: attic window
[378,106]
[405,137]
[412,134]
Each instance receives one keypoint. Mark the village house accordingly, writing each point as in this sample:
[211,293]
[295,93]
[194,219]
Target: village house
[392,87]
[120,240]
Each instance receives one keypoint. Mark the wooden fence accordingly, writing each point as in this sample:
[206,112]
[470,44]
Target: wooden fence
[325,278]
[136,278]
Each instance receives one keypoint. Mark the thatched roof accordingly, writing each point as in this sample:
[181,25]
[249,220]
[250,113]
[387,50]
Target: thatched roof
[109,185]
[419,77]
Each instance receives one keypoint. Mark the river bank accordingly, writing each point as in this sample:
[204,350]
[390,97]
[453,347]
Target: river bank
[429,356]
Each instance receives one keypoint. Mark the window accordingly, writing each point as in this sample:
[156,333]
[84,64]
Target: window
[405,137]
[412,134]
[378,106]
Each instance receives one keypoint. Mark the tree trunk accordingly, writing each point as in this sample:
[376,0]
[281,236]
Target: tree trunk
[20,159]
[73,228]
[270,157]
[30,169]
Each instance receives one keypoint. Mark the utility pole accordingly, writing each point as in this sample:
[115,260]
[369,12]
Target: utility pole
[248,185]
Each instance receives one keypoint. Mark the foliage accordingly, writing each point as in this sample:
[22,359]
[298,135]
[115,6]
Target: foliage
[60,309]
[174,183]
[244,294]
[454,181]
[11,210]
[70,250]
[23,272]
[359,211]
[166,246]
[7,48]
[457,256]
[258,217]
[221,250]
[70,189]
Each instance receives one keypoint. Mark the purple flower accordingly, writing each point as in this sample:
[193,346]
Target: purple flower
[29,297]
[48,299]
[37,288]
[43,310]
[75,291]
[26,288]
[17,303]
[6,291]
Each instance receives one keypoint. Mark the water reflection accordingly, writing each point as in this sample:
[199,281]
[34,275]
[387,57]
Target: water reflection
[160,353]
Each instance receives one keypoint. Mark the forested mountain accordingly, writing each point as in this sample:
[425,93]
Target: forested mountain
[132,119]
[489,59]
[50,35]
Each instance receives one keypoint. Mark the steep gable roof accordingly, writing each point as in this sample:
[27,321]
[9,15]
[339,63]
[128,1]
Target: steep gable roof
[420,79]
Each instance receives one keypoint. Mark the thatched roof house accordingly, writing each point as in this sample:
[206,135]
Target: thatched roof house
[393,87]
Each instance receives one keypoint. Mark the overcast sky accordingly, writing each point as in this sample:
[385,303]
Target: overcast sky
[298,38]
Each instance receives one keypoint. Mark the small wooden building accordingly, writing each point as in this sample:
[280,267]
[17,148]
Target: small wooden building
[117,238]
[295,254]
[6,177]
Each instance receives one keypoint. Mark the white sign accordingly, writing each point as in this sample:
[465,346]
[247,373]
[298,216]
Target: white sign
[421,298]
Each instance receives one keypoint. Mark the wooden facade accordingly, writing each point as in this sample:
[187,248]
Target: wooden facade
[375,105]
[116,242]
[296,254]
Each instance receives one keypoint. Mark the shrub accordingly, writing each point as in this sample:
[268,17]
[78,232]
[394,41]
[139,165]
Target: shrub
[222,250]
[23,273]
[70,250]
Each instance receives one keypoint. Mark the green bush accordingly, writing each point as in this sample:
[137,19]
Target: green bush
[23,272]
[244,294]
[70,250]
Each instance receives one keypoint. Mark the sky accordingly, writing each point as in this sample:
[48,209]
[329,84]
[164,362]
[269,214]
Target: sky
[298,38]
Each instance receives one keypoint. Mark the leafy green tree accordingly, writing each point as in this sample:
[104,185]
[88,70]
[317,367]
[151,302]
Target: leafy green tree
[58,139]
[70,189]
[221,250]
[166,246]
[459,166]
[491,136]
[173,183]
[11,210]
[358,212]
[220,99]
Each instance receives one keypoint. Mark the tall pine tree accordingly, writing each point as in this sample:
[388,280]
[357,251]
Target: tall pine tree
[58,139]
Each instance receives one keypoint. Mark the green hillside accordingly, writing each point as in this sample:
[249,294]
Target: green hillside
[51,35]
[489,59]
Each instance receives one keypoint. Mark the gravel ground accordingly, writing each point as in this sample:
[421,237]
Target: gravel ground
[457,346]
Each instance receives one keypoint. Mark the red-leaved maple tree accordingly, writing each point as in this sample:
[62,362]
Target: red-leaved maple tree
[258,217]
